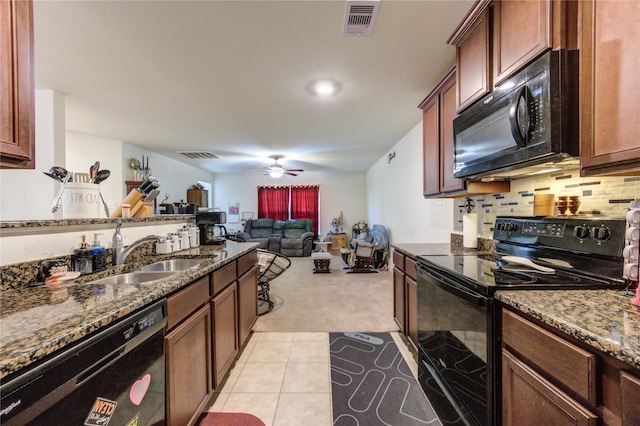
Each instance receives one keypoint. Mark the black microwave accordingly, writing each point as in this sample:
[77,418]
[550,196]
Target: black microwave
[528,124]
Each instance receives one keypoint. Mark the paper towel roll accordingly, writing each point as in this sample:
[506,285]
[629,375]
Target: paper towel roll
[470,230]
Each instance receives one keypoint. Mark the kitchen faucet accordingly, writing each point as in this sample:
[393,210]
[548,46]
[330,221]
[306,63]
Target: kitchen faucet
[120,253]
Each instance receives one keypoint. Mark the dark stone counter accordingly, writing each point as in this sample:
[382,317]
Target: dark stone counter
[38,321]
[603,319]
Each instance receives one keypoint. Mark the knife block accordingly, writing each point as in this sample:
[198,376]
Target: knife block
[132,199]
[142,209]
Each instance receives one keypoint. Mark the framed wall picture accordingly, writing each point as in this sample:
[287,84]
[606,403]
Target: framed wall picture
[234,213]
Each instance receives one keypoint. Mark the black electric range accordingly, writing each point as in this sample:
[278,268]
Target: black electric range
[457,318]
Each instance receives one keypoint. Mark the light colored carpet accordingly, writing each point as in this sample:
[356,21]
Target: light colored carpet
[338,301]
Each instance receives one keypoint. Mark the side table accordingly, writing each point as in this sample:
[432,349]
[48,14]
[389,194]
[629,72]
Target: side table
[338,241]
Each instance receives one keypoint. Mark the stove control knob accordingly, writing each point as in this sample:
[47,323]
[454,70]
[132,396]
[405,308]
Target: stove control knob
[500,226]
[581,232]
[601,234]
[510,227]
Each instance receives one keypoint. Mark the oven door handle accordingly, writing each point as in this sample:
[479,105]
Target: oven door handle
[456,289]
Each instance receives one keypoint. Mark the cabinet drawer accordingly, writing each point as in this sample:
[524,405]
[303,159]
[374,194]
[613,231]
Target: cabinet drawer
[222,278]
[247,262]
[398,260]
[528,399]
[410,267]
[181,304]
[559,359]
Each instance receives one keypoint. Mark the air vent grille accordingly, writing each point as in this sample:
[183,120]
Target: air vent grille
[359,19]
[198,155]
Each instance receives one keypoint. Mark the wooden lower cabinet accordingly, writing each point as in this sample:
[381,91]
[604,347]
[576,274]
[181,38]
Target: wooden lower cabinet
[529,399]
[411,288]
[188,368]
[630,392]
[399,298]
[224,308]
[549,378]
[405,296]
[247,304]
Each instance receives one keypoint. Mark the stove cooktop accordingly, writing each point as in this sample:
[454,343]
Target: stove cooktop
[483,273]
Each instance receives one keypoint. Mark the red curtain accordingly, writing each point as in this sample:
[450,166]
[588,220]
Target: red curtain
[273,202]
[304,204]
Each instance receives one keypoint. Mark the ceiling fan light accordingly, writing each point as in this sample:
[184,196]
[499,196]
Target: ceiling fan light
[276,173]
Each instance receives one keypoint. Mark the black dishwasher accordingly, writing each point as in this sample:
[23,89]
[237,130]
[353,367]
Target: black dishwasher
[115,377]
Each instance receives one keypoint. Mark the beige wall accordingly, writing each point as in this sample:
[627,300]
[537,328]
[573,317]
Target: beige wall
[394,191]
[344,192]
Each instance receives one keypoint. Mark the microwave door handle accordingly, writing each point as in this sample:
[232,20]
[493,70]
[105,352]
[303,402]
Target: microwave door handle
[520,115]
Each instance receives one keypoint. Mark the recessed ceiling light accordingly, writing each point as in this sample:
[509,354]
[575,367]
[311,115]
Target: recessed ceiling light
[325,87]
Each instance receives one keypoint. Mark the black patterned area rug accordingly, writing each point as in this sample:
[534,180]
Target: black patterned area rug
[371,383]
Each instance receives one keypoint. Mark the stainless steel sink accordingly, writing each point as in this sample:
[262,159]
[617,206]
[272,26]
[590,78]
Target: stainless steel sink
[175,265]
[134,278]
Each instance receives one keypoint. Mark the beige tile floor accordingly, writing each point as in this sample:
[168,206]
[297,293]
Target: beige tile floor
[285,379]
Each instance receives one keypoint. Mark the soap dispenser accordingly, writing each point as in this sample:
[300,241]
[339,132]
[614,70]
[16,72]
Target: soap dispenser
[82,257]
[98,255]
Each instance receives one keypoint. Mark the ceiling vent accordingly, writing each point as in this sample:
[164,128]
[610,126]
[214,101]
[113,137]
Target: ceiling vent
[198,155]
[359,18]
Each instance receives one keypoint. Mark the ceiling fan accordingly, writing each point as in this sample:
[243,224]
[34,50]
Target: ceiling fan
[277,171]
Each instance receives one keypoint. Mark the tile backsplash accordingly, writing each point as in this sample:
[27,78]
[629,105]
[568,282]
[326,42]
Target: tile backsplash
[599,196]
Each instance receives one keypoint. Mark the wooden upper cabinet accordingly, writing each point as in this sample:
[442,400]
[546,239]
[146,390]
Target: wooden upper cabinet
[439,110]
[430,149]
[17,90]
[472,56]
[521,32]
[609,87]
[447,114]
[498,38]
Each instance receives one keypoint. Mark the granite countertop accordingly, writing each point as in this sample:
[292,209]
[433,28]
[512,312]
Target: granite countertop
[417,249]
[37,321]
[444,249]
[603,319]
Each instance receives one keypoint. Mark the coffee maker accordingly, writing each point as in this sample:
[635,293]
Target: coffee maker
[212,230]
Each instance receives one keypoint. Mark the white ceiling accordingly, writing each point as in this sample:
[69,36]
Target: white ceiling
[231,77]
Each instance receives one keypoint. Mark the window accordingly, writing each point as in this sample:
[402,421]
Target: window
[289,202]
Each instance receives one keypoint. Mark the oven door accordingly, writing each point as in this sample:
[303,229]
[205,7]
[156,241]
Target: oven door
[454,338]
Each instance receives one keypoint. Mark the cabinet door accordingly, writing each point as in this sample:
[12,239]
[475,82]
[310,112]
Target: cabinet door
[609,87]
[188,363]
[17,90]
[472,62]
[399,298]
[247,303]
[411,289]
[529,399]
[225,332]
[630,391]
[448,183]
[521,32]
[430,149]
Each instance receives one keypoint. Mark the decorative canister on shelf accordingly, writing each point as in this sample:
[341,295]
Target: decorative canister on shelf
[81,201]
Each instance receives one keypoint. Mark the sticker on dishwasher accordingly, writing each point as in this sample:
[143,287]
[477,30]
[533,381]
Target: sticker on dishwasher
[139,389]
[133,421]
[101,412]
